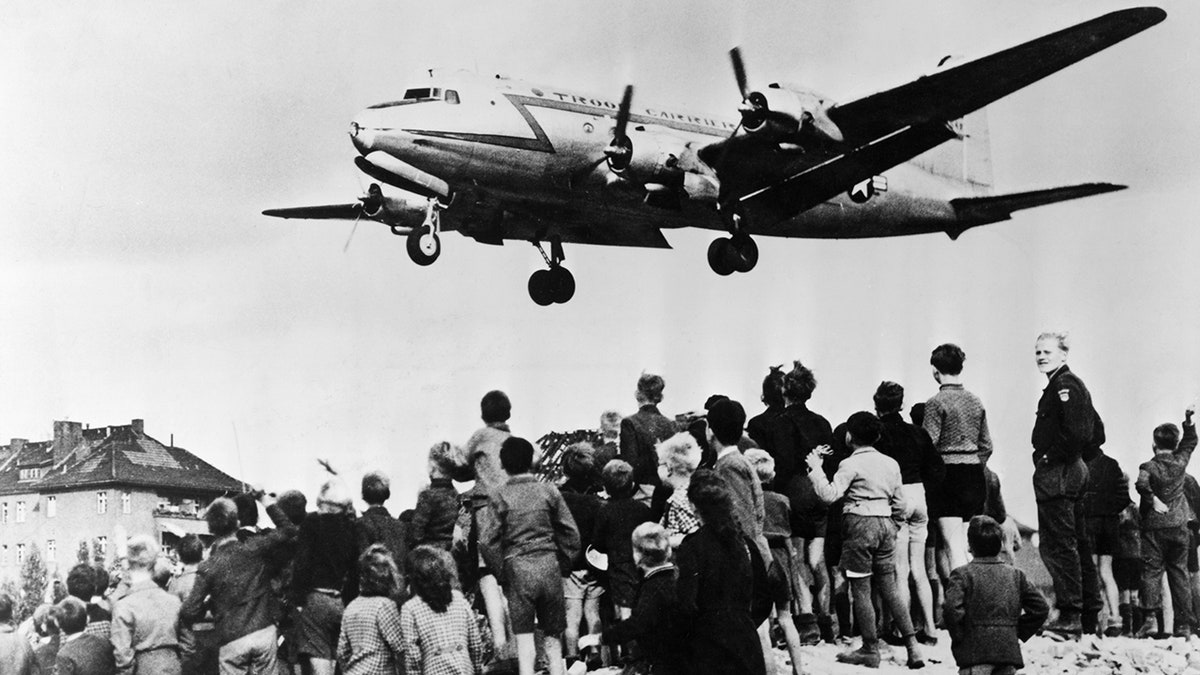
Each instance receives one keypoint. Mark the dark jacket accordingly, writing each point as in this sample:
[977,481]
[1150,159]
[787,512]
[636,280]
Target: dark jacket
[990,608]
[615,523]
[993,500]
[235,582]
[912,449]
[435,515]
[526,517]
[639,433]
[1162,477]
[714,593]
[653,623]
[1065,427]
[1107,491]
[377,526]
[327,556]
[86,655]
[792,435]
[583,505]
[758,428]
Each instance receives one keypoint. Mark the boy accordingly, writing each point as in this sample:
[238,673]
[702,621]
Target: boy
[437,505]
[652,620]
[145,620]
[80,653]
[1164,513]
[1104,498]
[527,535]
[615,522]
[990,606]
[582,590]
[872,485]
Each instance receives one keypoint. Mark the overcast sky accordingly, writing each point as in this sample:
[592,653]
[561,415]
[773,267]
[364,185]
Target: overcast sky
[139,142]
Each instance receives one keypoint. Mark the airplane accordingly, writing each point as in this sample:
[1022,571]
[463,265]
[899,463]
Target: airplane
[498,159]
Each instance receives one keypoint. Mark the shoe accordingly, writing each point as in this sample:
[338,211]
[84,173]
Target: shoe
[1113,631]
[1182,630]
[806,626]
[1067,624]
[1149,627]
[915,662]
[860,657]
[926,639]
[825,628]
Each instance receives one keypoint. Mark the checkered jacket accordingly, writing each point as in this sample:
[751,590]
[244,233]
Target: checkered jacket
[440,643]
[370,641]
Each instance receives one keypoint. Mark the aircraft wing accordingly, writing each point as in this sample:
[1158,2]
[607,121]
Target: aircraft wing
[891,127]
[326,212]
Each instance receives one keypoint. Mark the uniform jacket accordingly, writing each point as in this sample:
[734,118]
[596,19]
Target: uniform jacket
[524,517]
[639,433]
[1162,477]
[235,581]
[990,609]
[1065,427]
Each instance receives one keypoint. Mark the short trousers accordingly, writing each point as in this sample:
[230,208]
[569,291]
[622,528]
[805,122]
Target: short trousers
[961,493]
[916,513]
[1128,573]
[582,585]
[868,545]
[1103,534]
[317,626]
[534,589]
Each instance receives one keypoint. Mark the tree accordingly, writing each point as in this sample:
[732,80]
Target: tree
[33,583]
[83,553]
[97,553]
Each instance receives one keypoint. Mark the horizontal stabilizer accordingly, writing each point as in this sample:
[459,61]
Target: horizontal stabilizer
[973,211]
[327,212]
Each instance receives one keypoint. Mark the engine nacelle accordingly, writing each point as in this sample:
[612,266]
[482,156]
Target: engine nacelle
[656,159]
[784,110]
[399,214]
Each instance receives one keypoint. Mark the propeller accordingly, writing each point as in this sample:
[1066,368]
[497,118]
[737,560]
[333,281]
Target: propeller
[620,151]
[369,204]
[754,107]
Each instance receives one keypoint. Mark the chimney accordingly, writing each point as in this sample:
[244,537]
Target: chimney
[16,446]
[67,437]
[138,427]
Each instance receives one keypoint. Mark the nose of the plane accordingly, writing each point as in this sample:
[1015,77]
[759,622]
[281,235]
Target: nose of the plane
[362,135]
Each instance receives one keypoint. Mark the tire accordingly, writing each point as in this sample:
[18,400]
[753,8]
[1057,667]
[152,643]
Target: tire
[541,288]
[562,284]
[718,257]
[423,246]
[744,253]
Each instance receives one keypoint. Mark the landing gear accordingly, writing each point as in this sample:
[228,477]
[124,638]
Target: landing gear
[738,253]
[424,246]
[554,285]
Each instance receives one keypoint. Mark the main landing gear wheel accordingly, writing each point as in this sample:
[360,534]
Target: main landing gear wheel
[554,285]
[738,253]
[424,246]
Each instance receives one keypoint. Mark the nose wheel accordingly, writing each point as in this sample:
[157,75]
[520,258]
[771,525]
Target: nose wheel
[553,285]
[424,246]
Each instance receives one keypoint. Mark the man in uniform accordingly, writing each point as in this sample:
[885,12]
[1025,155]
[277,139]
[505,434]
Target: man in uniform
[1066,425]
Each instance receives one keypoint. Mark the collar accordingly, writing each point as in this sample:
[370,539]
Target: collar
[502,426]
[72,636]
[988,560]
[726,451]
[1057,372]
[801,406]
[863,449]
[380,509]
[649,407]
[951,385]
[523,478]
[140,586]
[665,567]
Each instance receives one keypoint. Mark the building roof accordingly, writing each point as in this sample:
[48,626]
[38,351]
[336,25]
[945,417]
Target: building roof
[120,455]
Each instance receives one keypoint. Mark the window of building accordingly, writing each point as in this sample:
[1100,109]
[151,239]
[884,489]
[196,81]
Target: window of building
[51,506]
[102,543]
[4,513]
[126,502]
[20,553]
[51,550]
[102,501]
[20,512]
[30,474]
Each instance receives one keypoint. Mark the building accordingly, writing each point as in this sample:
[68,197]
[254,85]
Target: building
[98,486]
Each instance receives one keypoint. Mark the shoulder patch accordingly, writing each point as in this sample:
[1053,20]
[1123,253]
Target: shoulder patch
[1064,395]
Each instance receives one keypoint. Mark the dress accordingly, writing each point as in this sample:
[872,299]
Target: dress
[440,643]
[719,637]
[370,641]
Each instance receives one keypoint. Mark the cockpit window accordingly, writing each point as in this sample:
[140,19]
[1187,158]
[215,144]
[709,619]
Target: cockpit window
[421,95]
[451,97]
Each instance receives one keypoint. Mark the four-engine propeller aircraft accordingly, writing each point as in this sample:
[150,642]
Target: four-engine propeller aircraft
[499,159]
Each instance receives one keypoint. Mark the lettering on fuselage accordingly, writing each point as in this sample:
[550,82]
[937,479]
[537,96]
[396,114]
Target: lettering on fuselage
[584,106]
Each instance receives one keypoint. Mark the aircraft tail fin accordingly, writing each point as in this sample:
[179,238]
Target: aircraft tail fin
[975,211]
[967,158]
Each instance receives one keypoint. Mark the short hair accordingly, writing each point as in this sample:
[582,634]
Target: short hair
[377,573]
[142,551]
[81,582]
[294,505]
[651,542]
[336,496]
[617,477]
[713,400]
[948,358]
[495,407]
[376,488]
[610,420]
[984,536]
[1061,338]
[799,383]
[917,414]
[222,517]
[247,509]
[449,459]
[190,549]
[1166,436]
[431,575]
[516,455]
[651,387]
[864,428]
[579,460]
[727,419]
[42,622]
[681,453]
[71,615]
[6,608]
[763,463]
[772,386]
[889,397]
[162,571]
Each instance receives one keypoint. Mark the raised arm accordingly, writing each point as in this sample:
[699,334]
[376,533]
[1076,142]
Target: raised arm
[828,490]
